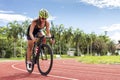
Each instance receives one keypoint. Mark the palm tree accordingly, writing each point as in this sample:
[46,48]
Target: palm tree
[112,47]
[77,39]
[14,31]
[93,38]
[67,36]
[54,31]
[24,27]
[60,30]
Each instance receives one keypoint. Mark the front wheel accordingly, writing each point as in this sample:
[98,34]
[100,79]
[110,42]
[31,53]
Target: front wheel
[45,59]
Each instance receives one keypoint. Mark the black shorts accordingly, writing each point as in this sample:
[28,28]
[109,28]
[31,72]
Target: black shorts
[35,35]
[29,38]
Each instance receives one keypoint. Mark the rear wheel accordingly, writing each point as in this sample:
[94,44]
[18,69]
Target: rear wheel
[45,59]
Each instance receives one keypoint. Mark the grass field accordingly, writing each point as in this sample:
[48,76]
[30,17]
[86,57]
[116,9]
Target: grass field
[84,59]
[97,59]
[100,59]
[5,59]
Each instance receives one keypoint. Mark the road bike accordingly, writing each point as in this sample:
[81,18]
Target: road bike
[42,55]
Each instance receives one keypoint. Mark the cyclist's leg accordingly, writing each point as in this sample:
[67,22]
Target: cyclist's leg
[29,49]
[29,53]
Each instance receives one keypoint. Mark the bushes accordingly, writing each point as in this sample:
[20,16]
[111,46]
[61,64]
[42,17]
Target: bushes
[8,54]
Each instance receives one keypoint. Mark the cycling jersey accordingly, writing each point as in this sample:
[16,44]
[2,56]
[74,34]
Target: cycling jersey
[35,31]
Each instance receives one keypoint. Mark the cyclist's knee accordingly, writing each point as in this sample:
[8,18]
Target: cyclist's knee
[30,43]
[44,41]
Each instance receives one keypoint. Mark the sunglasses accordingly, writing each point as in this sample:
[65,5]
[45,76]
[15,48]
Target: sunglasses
[43,18]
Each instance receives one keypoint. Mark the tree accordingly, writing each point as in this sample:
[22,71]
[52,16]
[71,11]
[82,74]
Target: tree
[92,39]
[3,41]
[24,27]
[14,32]
[111,47]
[67,36]
[77,40]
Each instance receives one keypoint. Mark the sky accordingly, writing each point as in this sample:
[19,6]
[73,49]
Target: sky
[88,15]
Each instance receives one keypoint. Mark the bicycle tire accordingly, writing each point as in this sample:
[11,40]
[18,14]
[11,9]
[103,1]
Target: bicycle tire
[49,58]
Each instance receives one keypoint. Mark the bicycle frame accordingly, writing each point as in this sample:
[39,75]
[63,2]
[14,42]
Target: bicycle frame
[40,53]
[39,45]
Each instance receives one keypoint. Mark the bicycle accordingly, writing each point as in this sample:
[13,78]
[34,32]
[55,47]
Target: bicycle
[42,55]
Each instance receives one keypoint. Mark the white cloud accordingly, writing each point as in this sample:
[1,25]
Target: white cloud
[6,18]
[113,27]
[13,17]
[51,18]
[113,31]
[10,16]
[103,3]
[115,36]
[2,11]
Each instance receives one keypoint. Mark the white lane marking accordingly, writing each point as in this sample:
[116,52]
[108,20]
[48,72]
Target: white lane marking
[13,66]
[96,72]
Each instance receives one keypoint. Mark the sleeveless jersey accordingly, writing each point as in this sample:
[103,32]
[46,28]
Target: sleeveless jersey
[36,29]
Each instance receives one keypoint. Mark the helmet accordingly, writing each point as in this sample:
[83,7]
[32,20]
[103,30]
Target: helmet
[43,13]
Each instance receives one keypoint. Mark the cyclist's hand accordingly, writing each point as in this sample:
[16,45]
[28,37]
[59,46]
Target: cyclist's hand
[34,40]
[52,41]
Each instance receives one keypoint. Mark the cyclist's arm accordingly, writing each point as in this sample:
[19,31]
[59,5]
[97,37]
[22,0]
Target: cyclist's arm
[31,30]
[48,29]
[48,32]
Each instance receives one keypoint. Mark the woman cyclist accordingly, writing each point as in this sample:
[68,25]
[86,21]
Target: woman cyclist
[36,26]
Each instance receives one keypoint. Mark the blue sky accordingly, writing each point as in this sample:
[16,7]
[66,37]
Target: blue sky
[88,15]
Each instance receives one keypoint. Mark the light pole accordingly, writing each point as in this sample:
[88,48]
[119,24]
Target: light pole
[106,33]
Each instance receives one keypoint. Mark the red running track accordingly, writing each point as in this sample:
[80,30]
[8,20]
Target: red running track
[63,69]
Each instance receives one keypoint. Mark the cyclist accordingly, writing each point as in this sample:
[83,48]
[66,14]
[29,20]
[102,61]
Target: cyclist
[36,26]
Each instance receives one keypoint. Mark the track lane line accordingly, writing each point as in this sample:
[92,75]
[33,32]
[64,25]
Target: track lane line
[13,66]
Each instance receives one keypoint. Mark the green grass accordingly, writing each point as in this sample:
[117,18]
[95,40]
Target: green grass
[3,59]
[84,59]
[100,59]
[95,59]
